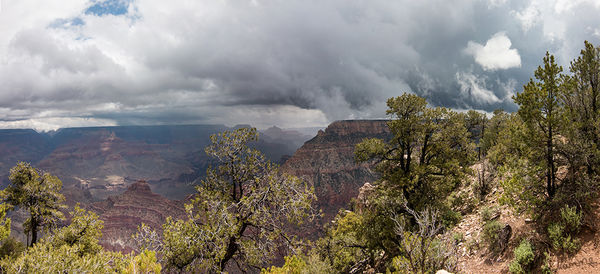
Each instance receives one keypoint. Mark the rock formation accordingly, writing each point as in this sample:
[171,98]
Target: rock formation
[327,162]
[122,214]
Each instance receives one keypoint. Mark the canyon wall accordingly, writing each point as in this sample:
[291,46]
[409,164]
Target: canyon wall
[327,162]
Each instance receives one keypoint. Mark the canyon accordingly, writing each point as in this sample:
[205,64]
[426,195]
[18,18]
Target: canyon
[143,174]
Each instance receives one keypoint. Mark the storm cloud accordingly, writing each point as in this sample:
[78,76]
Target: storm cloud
[290,63]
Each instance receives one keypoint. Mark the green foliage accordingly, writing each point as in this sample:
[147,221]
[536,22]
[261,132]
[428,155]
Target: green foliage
[37,192]
[488,212]
[11,247]
[293,265]
[450,217]
[84,232]
[241,212]
[179,244]
[495,127]
[72,249]
[571,219]
[298,264]
[422,251]
[458,237]
[581,91]
[523,258]
[46,258]
[546,268]
[491,234]
[555,233]
[461,202]
[143,263]
[563,234]
[4,222]
[343,245]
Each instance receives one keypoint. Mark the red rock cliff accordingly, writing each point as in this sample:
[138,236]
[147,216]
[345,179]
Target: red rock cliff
[327,162]
[122,214]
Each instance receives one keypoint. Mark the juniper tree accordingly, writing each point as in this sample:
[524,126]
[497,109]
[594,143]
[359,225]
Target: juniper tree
[540,110]
[424,161]
[38,193]
[427,156]
[242,211]
[580,96]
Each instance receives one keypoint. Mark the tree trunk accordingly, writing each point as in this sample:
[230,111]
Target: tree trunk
[424,149]
[34,231]
[232,247]
[550,165]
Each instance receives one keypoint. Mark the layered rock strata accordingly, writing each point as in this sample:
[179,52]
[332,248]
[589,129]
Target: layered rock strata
[327,162]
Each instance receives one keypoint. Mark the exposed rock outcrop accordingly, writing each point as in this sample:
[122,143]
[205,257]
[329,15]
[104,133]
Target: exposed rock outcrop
[327,162]
[122,214]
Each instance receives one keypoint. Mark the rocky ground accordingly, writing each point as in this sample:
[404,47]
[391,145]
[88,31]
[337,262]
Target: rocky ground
[475,257]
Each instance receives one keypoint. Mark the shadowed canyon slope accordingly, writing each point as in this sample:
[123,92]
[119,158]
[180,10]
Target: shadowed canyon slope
[94,163]
[101,167]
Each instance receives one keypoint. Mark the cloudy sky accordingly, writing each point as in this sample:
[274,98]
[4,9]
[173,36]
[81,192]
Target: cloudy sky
[291,63]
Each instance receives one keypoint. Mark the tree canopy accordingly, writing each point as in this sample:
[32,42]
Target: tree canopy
[38,193]
[242,213]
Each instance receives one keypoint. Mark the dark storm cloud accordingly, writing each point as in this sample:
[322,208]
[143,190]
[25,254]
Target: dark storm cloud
[274,62]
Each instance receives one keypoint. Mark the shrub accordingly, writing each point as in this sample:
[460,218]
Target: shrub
[421,250]
[546,268]
[450,218]
[11,247]
[491,234]
[571,219]
[487,213]
[298,264]
[571,244]
[555,233]
[562,234]
[523,258]
[561,240]
[458,237]
[293,265]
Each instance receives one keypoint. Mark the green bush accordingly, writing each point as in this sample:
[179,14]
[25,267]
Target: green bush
[450,218]
[491,234]
[11,247]
[561,240]
[562,234]
[571,219]
[523,258]
[571,245]
[555,233]
[487,213]
[546,268]
[458,237]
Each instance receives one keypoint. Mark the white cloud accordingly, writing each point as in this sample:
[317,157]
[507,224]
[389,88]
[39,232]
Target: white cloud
[474,88]
[562,6]
[528,17]
[49,124]
[284,62]
[496,3]
[496,54]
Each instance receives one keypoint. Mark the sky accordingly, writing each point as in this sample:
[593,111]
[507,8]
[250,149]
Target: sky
[291,63]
